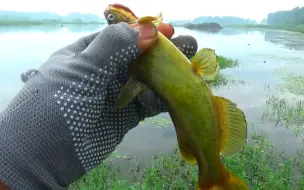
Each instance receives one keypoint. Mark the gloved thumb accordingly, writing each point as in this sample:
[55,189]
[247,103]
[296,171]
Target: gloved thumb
[121,42]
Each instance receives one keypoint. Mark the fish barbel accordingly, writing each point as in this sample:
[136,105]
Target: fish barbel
[207,126]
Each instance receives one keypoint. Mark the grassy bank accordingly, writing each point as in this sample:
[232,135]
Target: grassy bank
[293,28]
[259,164]
[29,23]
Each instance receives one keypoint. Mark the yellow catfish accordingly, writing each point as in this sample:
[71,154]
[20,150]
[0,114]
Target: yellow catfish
[207,126]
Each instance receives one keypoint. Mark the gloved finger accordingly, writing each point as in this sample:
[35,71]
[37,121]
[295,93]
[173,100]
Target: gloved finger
[77,46]
[26,75]
[119,44]
[166,29]
[147,34]
[82,43]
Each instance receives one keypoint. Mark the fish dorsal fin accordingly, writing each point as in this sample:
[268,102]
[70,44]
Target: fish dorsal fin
[128,92]
[204,64]
[232,126]
[157,20]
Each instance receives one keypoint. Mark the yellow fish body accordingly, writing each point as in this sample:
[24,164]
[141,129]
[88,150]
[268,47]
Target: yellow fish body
[207,126]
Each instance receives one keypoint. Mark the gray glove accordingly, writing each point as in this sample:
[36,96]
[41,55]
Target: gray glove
[62,124]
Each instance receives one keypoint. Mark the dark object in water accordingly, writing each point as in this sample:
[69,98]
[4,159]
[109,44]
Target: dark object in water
[209,27]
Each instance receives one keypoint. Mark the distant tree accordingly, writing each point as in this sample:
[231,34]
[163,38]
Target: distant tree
[294,16]
[264,21]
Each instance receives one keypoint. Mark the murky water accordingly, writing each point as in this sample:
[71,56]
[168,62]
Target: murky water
[260,51]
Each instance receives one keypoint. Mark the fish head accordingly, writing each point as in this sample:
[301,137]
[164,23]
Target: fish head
[116,13]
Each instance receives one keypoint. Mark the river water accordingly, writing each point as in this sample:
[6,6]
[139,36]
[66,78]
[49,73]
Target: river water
[259,51]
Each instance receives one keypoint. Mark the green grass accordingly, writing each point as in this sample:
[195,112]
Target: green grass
[259,165]
[225,62]
[221,79]
[294,28]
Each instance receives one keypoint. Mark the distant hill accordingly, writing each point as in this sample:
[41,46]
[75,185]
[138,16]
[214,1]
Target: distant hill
[48,17]
[225,20]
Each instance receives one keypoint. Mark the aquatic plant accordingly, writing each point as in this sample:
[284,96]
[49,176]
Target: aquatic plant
[286,106]
[224,80]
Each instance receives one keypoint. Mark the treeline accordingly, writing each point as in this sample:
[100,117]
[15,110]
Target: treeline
[224,20]
[47,17]
[289,17]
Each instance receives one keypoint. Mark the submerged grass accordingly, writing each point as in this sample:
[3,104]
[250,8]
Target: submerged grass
[287,105]
[288,112]
[259,164]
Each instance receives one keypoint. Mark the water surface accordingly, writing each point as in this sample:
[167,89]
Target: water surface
[260,52]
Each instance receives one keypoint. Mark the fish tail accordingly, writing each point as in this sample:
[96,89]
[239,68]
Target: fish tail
[229,182]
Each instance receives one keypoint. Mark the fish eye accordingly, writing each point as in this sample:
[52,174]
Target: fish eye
[111,17]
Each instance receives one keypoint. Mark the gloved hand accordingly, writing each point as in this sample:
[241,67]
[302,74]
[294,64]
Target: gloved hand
[62,124]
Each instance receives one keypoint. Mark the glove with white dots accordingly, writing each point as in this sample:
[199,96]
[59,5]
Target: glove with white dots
[62,122]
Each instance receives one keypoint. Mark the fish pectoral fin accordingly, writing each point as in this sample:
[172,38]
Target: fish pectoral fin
[129,91]
[184,148]
[204,64]
[186,151]
[188,157]
[232,126]
[157,20]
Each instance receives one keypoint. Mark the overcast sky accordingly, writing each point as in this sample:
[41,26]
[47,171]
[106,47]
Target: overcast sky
[171,9]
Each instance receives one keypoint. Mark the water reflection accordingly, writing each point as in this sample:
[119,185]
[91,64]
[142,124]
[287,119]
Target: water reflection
[229,31]
[291,40]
